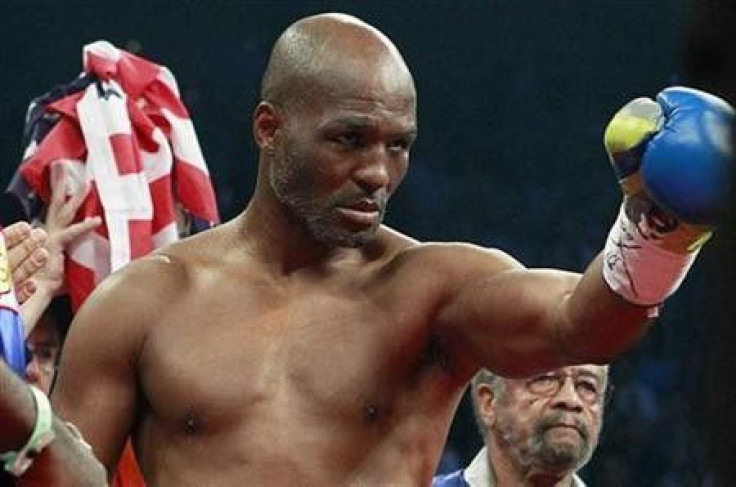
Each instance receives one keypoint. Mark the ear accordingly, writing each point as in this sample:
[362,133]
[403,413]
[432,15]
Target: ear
[266,122]
[486,403]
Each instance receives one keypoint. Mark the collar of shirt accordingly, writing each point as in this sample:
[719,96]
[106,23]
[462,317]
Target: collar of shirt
[479,473]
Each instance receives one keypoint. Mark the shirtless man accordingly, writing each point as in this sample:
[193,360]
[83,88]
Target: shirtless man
[304,343]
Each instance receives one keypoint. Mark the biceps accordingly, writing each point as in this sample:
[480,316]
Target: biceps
[510,322]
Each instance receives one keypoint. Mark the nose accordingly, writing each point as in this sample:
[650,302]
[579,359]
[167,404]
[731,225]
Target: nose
[373,174]
[567,397]
[33,372]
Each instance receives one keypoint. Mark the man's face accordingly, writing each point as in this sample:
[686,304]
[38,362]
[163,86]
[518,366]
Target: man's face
[42,350]
[339,158]
[552,421]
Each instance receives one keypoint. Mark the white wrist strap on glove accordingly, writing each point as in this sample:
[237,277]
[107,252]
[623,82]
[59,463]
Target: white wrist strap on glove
[18,462]
[639,270]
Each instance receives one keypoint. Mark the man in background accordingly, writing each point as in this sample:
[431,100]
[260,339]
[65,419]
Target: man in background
[537,431]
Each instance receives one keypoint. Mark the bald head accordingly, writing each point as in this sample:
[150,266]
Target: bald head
[331,53]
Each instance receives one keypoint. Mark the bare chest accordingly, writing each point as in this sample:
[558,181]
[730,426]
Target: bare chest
[344,357]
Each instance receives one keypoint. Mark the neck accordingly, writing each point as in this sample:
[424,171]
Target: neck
[274,236]
[510,473]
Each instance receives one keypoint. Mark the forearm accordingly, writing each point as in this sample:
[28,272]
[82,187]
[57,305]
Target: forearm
[597,323]
[65,458]
[673,161]
[17,410]
[65,461]
[32,309]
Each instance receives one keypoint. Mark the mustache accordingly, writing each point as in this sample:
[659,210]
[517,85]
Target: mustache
[560,418]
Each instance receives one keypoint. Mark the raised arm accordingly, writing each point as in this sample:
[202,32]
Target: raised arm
[673,159]
[518,321]
[61,232]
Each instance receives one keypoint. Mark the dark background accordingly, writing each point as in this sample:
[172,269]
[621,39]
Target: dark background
[513,100]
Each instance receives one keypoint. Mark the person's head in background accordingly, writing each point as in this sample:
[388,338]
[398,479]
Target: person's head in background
[540,430]
[44,343]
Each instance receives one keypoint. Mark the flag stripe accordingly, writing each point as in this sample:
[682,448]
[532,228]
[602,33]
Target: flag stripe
[122,128]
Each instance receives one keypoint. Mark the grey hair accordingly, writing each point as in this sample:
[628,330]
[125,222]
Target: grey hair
[497,385]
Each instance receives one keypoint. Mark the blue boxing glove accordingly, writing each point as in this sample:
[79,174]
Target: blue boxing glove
[675,153]
[687,165]
[674,161]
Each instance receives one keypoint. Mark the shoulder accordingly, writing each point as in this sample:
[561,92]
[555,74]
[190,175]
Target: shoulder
[143,279]
[166,276]
[461,254]
[444,266]
[175,267]
[115,322]
[120,311]
[457,263]
[454,479]
[458,257]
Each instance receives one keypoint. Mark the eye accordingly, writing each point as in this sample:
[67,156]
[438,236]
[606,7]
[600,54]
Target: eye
[543,383]
[587,387]
[46,353]
[350,140]
[401,144]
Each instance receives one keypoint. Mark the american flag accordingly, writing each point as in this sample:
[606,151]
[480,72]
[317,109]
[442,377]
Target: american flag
[122,129]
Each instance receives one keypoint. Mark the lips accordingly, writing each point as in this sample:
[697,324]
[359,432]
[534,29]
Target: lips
[363,212]
[569,427]
[364,205]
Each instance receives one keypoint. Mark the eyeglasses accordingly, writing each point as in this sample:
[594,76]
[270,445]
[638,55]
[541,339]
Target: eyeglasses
[46,357]
[588,388]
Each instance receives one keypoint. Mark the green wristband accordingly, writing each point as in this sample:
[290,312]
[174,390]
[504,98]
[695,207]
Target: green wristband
[43,433]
